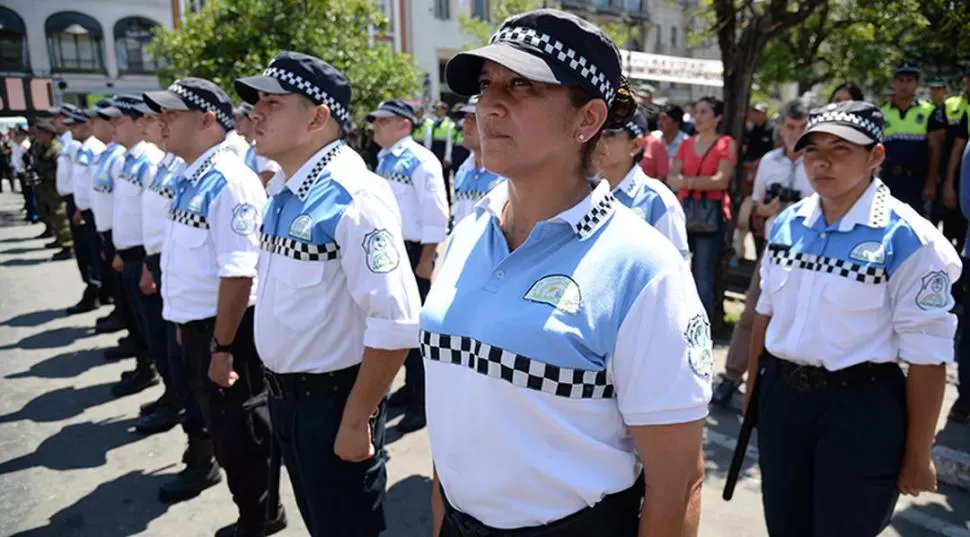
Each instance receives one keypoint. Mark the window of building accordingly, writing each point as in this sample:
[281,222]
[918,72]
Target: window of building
[480,9]
[634,6]
[442,9]
[673,38]
[75,42]
[194,6]
[132,36]
[13,43]
[659,45]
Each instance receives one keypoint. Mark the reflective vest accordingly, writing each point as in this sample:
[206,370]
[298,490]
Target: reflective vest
[913,127]
[442,129]
[954,108]
[458,135]
[421,129]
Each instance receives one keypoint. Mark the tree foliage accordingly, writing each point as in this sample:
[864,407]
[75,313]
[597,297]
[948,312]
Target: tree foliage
[477,31]
[230,39]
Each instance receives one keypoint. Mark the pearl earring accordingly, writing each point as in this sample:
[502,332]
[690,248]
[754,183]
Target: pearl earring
[582,137]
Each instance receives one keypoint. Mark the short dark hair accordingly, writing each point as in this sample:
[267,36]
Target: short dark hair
[716,104]
[794,109]
[675,113]
[854,91]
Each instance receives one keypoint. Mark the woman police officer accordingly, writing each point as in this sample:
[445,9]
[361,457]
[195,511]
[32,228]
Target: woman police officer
[617,159]
[853,282]
[544,315]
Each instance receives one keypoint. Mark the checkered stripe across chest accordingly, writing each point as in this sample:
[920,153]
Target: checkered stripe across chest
[397,177]
[514,368]
[187,218]
[301,251]
[131,176]
[784,257]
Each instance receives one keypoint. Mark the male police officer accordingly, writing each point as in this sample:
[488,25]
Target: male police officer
[338,305]
[415,177]
[956,109]
[208,272]
[915,132]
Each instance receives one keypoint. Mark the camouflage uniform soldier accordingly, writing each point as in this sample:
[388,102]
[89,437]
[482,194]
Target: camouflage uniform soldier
[53,208]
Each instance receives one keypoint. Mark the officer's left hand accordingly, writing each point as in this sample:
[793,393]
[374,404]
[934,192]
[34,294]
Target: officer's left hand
[117,264]
[929,192]
[424,269]
[220,370]
[353,442]
[949,196]
[917,476]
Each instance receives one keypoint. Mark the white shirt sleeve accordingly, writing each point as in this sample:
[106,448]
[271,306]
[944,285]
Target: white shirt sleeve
[264,165]
[429,185]
[662,364]
[379,276]
[760,188]
[85,164]
[673,225]
[449,141]
[428,134]
[763,306]
[234,220]
[921,300]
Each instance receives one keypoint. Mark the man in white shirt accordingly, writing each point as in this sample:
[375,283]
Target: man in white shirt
[415,176]
[780,181]
[20,144]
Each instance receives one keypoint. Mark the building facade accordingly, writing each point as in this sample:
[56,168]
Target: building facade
[88,48]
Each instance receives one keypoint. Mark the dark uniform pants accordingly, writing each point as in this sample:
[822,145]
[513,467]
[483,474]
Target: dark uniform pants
[241,440]
[830,458]
[963,350]
[336,498]
[150,327]
[173,371]
[438,148]
[54,212]
[86,251]
[414,363]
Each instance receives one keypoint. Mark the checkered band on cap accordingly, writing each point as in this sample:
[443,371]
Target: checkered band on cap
[300,251]
[125,105]
[204,104]
[871,129]
[634,129]
[188,219]
[314,174]
[394,108]
[562,53]
[515,369]
[591,220]
[310,90]
[783,256]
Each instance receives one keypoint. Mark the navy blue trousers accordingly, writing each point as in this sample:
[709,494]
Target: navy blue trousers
[176,376]
[830,458]
[963,347]
[336,498]
[86,245]
[142,306]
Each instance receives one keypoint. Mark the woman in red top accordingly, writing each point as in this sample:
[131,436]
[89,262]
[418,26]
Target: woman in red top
[701,175]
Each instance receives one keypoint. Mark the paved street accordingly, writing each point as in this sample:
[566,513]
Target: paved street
[71,466]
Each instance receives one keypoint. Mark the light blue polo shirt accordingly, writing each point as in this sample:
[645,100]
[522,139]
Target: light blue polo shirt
[539,360]
[656,204]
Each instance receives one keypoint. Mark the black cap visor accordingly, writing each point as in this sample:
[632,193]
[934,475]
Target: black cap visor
[109,113]
[845,132]
[164,100]
[463,69]
[248,88]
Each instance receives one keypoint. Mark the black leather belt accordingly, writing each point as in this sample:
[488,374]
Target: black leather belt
[806,378]
[309,385]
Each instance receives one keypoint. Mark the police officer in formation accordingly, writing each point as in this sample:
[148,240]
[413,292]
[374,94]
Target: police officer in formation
[416,180]
[472,180]
[208,285]
[618,160]
[338,305]
[263,166]
[915,133]
[543,315]
[878,281]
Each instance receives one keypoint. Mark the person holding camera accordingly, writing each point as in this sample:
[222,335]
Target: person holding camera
[779,182]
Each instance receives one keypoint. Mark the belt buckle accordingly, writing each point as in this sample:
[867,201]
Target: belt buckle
[800,379]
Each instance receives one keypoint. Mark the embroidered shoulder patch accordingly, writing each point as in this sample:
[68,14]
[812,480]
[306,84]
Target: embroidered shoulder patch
[195,205]
[382,256]
[700,348]
[302,227]
[869,252]
[244,219]
[933,292]
[558,291]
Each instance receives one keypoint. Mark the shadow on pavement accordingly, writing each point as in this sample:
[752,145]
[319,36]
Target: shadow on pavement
[51,339]
[81,445]
[118,508]
[18,262]
[63,366]
[34,318]
[61,404]
[16,239]
[408,507]
[14,251]
[956,513]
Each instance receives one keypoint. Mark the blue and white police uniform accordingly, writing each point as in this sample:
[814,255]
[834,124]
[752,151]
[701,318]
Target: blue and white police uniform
[137,171]
[65,160]
[472,182]
[847,301]
[653,201]
[238,143]
[85,163]
[86,243]
[102,187]
[156,202]
[260,164]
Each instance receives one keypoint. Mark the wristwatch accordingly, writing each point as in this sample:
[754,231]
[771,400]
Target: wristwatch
[215,346]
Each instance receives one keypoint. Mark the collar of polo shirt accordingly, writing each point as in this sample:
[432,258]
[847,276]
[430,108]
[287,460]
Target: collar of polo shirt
[303,180]
[631,182]
[584,218]
[871,209]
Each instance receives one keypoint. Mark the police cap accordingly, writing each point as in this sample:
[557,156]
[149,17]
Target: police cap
[636,126]
[196,94]
[906,69]
[858,122]
[45,126]
[394,108]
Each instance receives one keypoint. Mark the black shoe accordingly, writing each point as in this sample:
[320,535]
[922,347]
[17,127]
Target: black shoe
[190,482]
[54,244]
[125,350]
[128,374]
[238,529]
[109,324]
[724,391]
[400,398]
[146,377]
[160,421]
[89,301]
[413,419]
[166,400]
[45,235]
[63,255]
[959,412]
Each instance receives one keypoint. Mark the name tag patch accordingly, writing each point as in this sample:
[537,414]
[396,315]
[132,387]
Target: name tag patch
[700,347]
[558,291]
[302,227]
[382,256]
[869,252]
[934,290]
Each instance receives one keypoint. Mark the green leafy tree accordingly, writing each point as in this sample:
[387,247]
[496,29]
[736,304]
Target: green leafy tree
[477,31]
[230,39]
